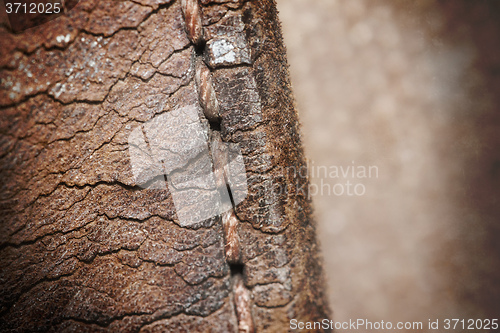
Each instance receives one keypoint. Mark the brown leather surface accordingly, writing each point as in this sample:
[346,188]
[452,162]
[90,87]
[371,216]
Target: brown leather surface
[85,248]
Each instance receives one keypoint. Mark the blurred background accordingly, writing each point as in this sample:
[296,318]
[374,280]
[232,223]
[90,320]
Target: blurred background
[411,89]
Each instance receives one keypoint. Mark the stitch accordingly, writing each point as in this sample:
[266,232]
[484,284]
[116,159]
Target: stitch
[219,158]
[229,219]
[232,245]
[242,304]
[207,97]
[192,17]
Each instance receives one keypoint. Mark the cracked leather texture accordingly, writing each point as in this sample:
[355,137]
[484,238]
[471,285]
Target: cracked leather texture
[83,247]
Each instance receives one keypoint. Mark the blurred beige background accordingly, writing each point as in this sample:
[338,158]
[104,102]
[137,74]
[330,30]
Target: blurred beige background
[412,88]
